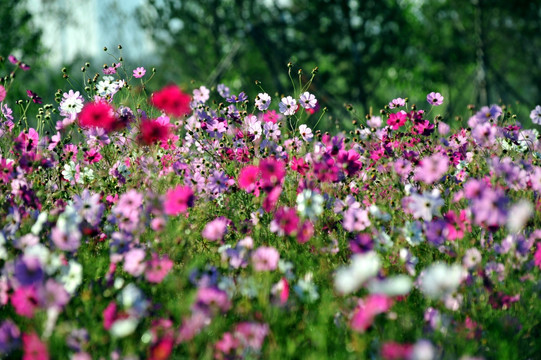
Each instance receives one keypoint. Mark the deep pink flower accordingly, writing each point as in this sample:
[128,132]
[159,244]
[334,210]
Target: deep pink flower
[25,301]
[248,177]
[153,132]
[172,100]
[396,120]
[109,315]
[212,300]
[272,172]
[98,114]
[92,156]
[34,348]
[2,93]
[178,200]
[537,256]
[395,351]
[226,345]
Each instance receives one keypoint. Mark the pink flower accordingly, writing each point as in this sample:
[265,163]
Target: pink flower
[265,258]
[109,315]
[272,171]
[212,300]
[25,301]
[395,351]
[158,268]
[178,200]
[226,345]
[33,348]
[367,309]
[356,219]
[139,72]
[2,93]
[134,262]
[251,335]
[434,98]
[216,229]
[432,168]
[537,256]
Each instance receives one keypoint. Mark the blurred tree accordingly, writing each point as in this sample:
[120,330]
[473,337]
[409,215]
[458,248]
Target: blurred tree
[17,32]
[367,51]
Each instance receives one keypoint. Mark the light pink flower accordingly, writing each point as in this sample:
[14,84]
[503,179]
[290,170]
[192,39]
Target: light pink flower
[265,258]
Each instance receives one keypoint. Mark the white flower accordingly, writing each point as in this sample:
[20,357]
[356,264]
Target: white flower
[3,251]
[392,286]
[87,175]
[425,206]
[201,95]
[72,103]
[520,213]
[262,101]
[123,327]
[306,133]
[71,276]
[309,204]
[38,225]
[350,278]
[108,87]
[288,106]
[440,279]
[308,101]
[253,126]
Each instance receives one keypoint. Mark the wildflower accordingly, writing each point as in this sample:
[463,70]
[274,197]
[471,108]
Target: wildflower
[262,101]
[349,161]
[367,309]
[265,258]
[178,200]
[285,221]
[396,120]
[307,100]
[309,204]
[2,93]
[71,276]
[288,106]
[201,95]
[28,271]
[535,115]
[521,213]
[271,116]
[211,300]
[97,115]
[434,98]
[472,258]
[216,229]
[537,256]
[397,103]
[248,177]
[134,263]
[158,268]
[226,346]
[172,100]
[236,99]
[153,132]
[305,288]
[107,87]
[25,301]
[9,336]
[306,133]
[355,219]
[139,72]
[34,348]
[440,279]
[350,278]
[424,206]
[72,103]
[391,286]
[223,90]
[35,98]
[374,122]
[251,334]
[272,171]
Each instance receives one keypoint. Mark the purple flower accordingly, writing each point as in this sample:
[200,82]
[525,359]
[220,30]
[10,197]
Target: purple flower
[236,99]
[434,98]
[535,115]
[10,336]
[204,278]
[361,243]
[89,207]
[55,295]
[28,271]
[35,98]
[436,232]
[77,338]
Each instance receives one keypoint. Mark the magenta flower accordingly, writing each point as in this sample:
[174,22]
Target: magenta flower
[212,301]
[434,98]
[537,256]
[367,310]
[285,222]
[178,200]
[265,258]
[248,177]
[396,120]
[139,72]
[2,93]
[34,348]
[25,301]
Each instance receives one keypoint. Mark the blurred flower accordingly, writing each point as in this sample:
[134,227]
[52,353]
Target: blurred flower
[172,100]
[34,348]
[397,103]
[306,133]
[309,204]
[265,258]
[97,115]
[178,200]
[535,115]
[349,279]
[251,334]
[216,229]
[367,309]
[440,279]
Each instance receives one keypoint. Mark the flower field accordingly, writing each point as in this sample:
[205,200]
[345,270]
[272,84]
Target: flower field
[201,223]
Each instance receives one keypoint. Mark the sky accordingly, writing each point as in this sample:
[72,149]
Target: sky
[85,27]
